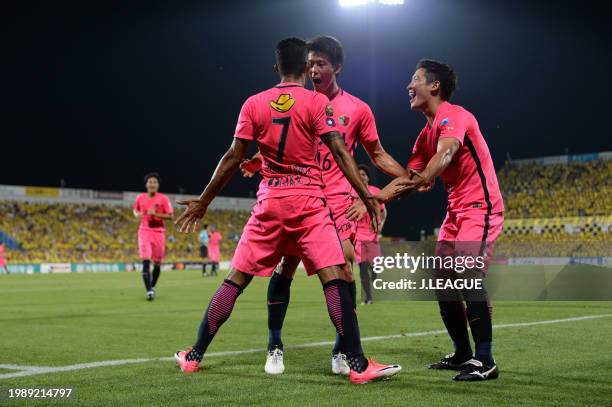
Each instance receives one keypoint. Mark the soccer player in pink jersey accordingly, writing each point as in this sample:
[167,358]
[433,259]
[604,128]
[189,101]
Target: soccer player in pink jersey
[357,125]
[214,252]
[451,146]
[367,245]
[287,121]
[3,268]
[152,208]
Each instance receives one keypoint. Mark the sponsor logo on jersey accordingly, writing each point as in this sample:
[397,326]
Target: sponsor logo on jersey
[283,104]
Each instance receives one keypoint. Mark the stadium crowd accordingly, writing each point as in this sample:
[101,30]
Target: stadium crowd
[99,233]
[551,210]
[561,190]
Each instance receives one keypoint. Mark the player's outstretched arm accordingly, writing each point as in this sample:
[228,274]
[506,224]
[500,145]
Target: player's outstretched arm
[446,149]
[383,160]
[196,208]
[415,181]
[347,165]
[250,167]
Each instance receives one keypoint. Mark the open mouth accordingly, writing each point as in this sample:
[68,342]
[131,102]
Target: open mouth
[316,80]
[411,95]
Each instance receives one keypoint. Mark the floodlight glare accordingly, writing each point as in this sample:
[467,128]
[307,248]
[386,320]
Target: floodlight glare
[350,3]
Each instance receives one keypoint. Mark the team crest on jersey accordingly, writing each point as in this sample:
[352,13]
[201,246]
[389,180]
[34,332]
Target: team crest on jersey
[444,122]
[344,120]
[329,111]
[283,104]
[330,122]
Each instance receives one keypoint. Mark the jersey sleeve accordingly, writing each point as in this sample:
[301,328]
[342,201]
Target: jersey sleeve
[168,206]
[454,125]
[136,205]
[245,128]
[323,115]
[367,127]
[418,160]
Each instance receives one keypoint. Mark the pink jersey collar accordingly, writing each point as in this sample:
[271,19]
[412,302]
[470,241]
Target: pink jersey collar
[289,85]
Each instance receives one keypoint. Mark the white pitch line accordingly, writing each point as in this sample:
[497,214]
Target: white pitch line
[21,367]
[36,370]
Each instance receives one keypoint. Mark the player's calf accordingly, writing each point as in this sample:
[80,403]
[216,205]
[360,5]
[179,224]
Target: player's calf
[342,313]
[219,310]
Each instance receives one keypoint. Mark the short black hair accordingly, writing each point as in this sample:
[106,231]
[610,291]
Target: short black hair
[438,71]
[365,169]
[291,56]
[152,175]
[329,46]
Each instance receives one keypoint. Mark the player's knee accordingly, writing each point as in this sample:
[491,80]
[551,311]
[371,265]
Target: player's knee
[239,278]
[328,274]
[476,295]
[288,266]
[346,273]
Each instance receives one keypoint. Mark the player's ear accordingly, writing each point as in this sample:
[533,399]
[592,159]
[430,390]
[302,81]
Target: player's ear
[276,68]
[338,69]
[435,87]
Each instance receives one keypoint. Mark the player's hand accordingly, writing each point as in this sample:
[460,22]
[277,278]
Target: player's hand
[413,182]
[248,168]
[356,211]
[190,218]
[373,207]
[426,187]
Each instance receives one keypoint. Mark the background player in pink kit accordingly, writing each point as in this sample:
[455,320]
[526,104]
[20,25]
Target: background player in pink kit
[152,208]
[287,122]
[357,125]
[3,268]
[214,252]
[451,146]
[366,241]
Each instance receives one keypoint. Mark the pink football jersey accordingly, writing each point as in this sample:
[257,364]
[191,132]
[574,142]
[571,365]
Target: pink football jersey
[287,122]
[470,178]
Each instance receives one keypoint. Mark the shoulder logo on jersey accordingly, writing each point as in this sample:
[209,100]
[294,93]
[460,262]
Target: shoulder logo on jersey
[329,110]
[283,104]
[330,122]
[445,126]
[344,120]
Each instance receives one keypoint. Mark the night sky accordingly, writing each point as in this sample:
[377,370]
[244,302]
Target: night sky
[99,93]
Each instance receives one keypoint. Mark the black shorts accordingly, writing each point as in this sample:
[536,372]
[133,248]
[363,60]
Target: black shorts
[203,251]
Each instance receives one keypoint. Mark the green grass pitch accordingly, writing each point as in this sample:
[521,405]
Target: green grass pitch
[59,320]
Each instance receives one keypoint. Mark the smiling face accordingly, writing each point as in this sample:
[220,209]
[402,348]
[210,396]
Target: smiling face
[152,185]
[419,91]
[322,73]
